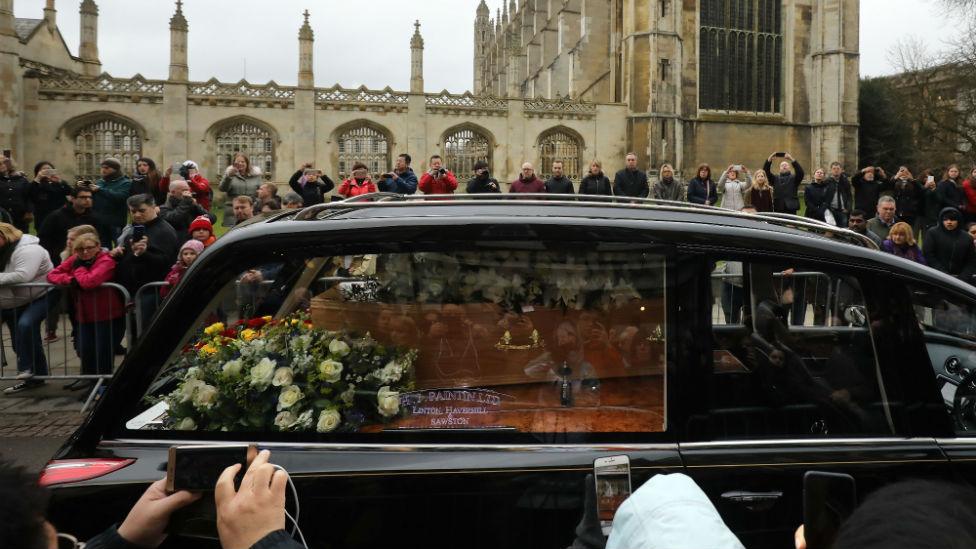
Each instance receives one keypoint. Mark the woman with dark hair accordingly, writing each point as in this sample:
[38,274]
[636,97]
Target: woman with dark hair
[148,180]
[701,189]
[930,201]
[48,192]
[23,260]
[908,196]
[901,242]
[360,182]
[240,179]
[15,194]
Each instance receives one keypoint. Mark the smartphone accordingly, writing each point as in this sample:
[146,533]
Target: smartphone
[828,499]
[612,477]
[737,167]
[930,179]
[138,232]
[197,468]
[780,154]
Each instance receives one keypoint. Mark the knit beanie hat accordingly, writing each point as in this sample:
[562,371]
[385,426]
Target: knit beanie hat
[194,245]
[112,163]
[201,222]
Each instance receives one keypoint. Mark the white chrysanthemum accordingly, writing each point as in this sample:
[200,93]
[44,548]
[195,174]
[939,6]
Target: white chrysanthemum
[205,396]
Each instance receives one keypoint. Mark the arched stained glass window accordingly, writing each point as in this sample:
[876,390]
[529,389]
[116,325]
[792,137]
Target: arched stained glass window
[243,137]
[741,55]
[560,145]
[363,144]
[102,139]
[463,148]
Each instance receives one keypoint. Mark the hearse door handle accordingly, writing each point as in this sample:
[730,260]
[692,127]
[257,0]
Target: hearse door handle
[753,501]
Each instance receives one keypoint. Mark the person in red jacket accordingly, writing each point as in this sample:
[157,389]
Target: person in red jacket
[528,182]
[359,184]
[969,191]
[100,311]
[188,254]
[199,185]
[438,180]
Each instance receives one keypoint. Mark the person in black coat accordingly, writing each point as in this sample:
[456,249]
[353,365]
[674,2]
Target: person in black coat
[949,191]
[842,201]
[482,182]
[15,195]
[48,193]
[908,195]
[949,248]
[53,233]
[140,261]
[595,183]
[701,189]
[181,209]
[818,196]
[868,185]
[316,186]
[559,183]
[786,184]
[631,181]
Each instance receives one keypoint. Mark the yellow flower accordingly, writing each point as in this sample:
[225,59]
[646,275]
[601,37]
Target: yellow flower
[208,350]
[248,335]
[214,329]
[294,322]
[266,318]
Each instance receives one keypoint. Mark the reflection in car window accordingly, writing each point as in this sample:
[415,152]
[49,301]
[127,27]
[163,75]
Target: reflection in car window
[539,341]
[949,324]
[796,360]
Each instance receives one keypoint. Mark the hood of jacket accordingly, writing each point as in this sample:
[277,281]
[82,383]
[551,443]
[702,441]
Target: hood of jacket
[667,512]
[942,215]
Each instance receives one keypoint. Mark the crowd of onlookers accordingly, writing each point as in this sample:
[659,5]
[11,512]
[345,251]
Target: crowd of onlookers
[149,227]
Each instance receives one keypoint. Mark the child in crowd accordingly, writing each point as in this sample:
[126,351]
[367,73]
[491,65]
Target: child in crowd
[188,254]
[201,230]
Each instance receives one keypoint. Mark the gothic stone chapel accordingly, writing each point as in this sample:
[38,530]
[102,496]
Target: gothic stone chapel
[716,81]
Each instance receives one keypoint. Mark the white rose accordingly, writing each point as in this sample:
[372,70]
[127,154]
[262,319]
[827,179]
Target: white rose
[262,373]
[387,401]
[330,370]
[232,369]
[328,421]
[348,395]
[189,388]
[289,396]
[186,425]
[205,396]
[283,377]
[284,420]
[339,348]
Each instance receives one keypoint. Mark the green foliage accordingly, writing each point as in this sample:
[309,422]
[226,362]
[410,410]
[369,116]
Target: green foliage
[885,134]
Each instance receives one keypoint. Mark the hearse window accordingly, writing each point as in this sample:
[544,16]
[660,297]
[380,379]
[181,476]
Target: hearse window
[949,325]
[792,356]
[529,339]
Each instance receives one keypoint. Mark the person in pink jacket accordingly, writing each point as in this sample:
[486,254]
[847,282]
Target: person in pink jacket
[100,311]
[188,254]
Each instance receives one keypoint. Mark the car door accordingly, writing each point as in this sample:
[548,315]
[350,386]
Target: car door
[947,318]
[795,380]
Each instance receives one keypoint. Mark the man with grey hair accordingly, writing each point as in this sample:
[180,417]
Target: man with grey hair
[292,201]
[527,181]
[181,208]
[881,224]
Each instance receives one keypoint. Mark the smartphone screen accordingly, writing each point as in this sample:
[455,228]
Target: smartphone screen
[138,231]
[197,468]
[612,477]
[828,499]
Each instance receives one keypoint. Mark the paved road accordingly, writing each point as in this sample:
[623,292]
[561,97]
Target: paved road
[35,423]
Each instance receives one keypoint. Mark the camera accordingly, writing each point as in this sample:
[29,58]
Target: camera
[185,172]
[442,171]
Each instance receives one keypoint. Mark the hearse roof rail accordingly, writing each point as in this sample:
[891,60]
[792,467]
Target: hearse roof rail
[393,200]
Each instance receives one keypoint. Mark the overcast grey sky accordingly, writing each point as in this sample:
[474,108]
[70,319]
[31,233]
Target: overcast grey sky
[363,41]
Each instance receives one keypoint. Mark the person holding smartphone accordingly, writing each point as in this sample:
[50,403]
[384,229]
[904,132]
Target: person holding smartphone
[311,184]
[240,179]
[867,186]
[786,183]
[110,194]
[438,179]
[359,184]
[733,185]
[48,192]
[482,182]
[15,195]
[401,180]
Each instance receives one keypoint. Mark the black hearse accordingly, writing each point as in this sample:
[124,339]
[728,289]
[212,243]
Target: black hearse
[443,373]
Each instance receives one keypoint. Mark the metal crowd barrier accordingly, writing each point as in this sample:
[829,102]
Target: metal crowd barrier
[142,300]
[61,354]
